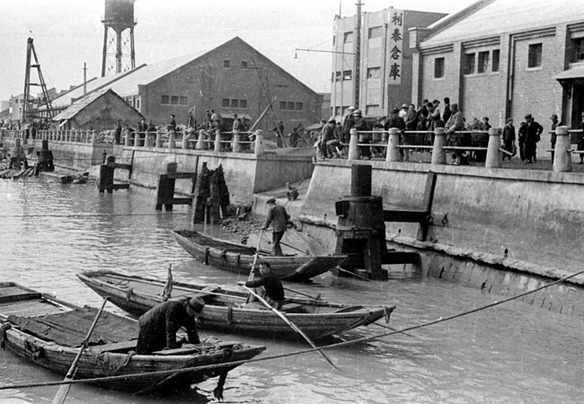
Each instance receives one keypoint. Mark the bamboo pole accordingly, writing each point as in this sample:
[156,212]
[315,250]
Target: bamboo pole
[64,389]
[292,325]
[255,259]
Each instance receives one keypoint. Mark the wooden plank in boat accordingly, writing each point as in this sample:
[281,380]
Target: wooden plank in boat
[118,346]
[188,349]
[13,293]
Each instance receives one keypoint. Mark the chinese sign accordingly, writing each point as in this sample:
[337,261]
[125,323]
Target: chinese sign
[395,45]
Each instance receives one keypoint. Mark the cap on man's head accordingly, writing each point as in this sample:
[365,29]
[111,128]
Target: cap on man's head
[332,119]
[196,303]
[527,116]
[554,116]
[404,105]
[357,112]
[271,201]
[351,108]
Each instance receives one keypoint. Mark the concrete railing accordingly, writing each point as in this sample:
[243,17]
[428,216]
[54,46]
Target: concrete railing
[231,142]
[397,145]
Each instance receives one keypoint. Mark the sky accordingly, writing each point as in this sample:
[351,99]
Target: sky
[69,33]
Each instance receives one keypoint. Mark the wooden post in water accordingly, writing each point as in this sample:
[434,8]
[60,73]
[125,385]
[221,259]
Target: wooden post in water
[106,175]
[166,183]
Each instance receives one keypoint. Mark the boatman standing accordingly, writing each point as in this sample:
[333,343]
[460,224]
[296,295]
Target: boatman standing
[279,219]
[159,325]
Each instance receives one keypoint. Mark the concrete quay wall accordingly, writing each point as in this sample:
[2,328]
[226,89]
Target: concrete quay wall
[528,216]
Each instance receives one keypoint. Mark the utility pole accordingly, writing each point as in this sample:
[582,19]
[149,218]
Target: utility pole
[357,69]
[84,78]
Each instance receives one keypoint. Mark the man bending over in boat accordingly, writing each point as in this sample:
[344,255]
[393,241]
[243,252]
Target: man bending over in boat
[279,219]
[159,325]
[273,289]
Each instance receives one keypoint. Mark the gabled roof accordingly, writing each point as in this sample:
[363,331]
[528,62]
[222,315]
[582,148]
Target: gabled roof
[83,103]
[492,17]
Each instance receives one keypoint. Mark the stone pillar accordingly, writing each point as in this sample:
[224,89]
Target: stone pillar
[217,147]
[171,135]
[236,139]
[158,138]
[353,148]
[201,140]
[392,146]
[563,154]
[494,158]
[438,152]
[93,137]
[259,142]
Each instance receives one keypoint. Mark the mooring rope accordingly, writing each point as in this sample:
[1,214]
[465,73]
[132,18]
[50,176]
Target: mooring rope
[295,353]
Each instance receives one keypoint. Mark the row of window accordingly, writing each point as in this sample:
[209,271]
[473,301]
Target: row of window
[227,64]
[233,103]
[342,75]
[291,106]
[174,100]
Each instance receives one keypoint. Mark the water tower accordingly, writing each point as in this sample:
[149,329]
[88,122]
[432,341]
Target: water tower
[118,37]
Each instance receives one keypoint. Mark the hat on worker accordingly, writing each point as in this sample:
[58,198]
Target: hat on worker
[196,303]
[527,116]
[554,116]
[332,119]
[357,112]
[271,201]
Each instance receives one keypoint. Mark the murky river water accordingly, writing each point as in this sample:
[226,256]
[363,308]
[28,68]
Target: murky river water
[513,353]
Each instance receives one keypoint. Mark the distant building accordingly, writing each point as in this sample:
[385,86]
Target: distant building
[233,78]
[503,59]
[100,110]
[326,106]
[385,70]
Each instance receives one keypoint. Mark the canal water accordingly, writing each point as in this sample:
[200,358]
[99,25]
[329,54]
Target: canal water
[513,353]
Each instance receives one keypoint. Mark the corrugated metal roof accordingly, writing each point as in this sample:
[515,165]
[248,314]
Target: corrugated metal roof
[508,16]
[79,105]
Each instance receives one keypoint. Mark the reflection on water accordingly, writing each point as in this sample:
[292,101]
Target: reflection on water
[508,354]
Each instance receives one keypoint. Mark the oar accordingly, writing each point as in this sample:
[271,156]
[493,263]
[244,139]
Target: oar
[354,274]
[64,389]
[291,324]
[302,294]
[255,259]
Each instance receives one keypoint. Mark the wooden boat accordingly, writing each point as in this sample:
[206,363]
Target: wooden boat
[48,332]
[239,258]
[224,312]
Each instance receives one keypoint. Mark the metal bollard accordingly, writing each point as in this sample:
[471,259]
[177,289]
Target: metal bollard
[494,156]
[353,148]
[438,152]
[563,154]
[392,146]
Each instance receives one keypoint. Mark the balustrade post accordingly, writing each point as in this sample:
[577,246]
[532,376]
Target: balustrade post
[201,140]
[494,156]
[259,142]
[353,148]
[438,152]
[158,138]
[217,140]
[236,146]
[171,135]
[562,151]
[393,154]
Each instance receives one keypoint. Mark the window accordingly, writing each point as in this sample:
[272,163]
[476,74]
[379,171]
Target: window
[234,103]
[372,109]
[373,72]
[469,63]
[483,65]
[579,49]
[138,104]
[242,103]
[174,100]
[438,68]
[282,104]
[348,37]
[336,112]
[291,106]
[299,106]
[534,56]
[338,76]
[375,32]
[225,103]
[496,53]
[165,100]
[227,64]
[243,65]
[183,100]
[348,75]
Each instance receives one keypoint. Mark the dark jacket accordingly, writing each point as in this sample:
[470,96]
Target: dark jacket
[272,285]
[278,217]
[159,325]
